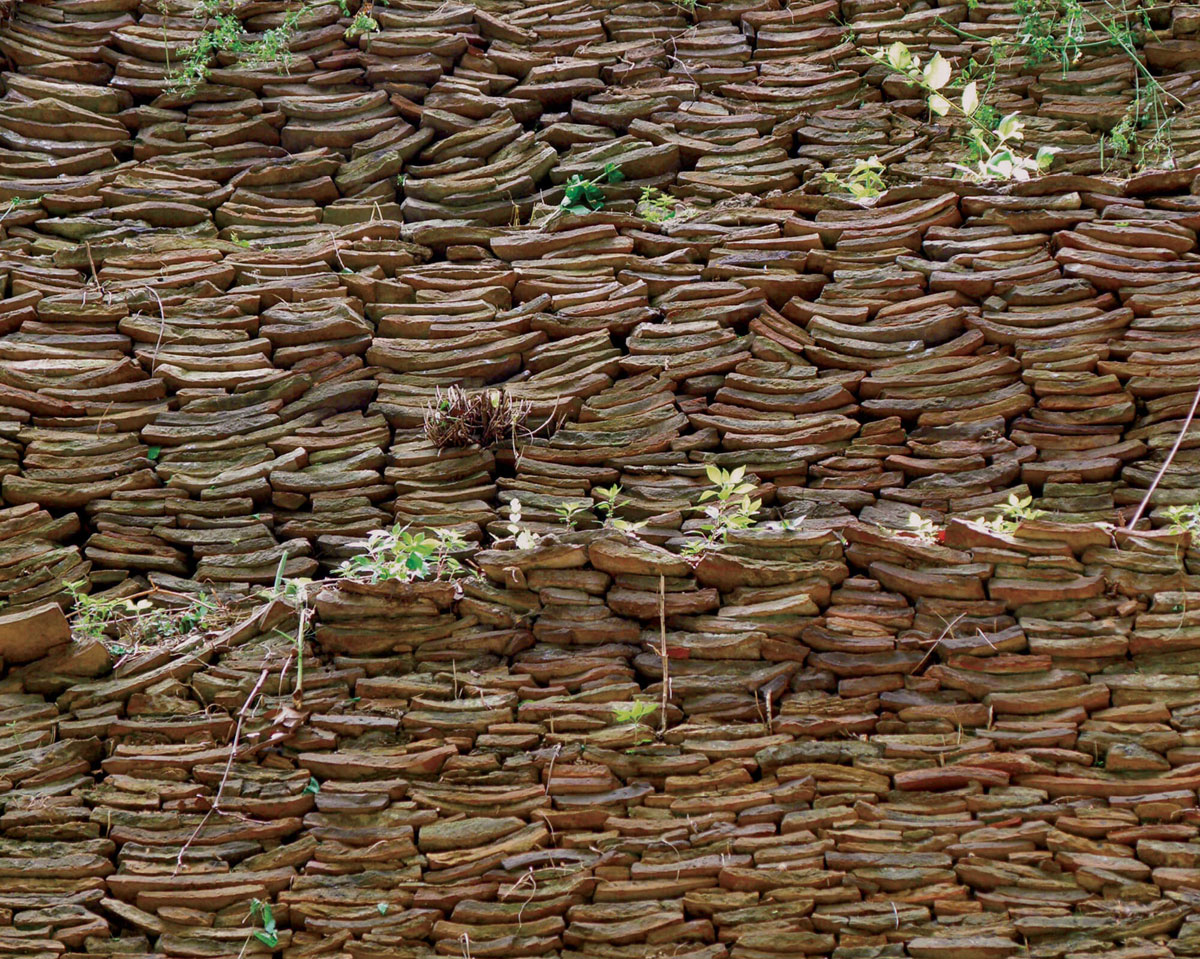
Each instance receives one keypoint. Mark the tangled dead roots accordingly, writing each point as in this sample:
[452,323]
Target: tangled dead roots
[457,418]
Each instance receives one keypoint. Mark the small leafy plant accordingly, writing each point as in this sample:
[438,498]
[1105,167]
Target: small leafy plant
[1183,519]
[586,196]
[726,507]
[572,511]
[1013,512]
[362,25]
[924,528]
[1063,32]
[15,204]
[222,32]
[397,555]
[268,935]
[863,182]
[656,206]
[136,621]
[607,502]
[633,712]
[524,538]
[992,152]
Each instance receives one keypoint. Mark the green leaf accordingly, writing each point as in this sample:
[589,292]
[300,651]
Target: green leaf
[578,209]
[970,98]
[268,939]
[937,72]
[613,173]
[713,472]
[1010,127]
[1002,168]
[153,452]
[313,786]
[383,908]
[573,191]
[1045,157]
[898,56]
[938,104]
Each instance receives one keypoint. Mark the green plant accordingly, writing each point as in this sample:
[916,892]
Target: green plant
[397,555]
[608,503]
[362,25]
[1058,31]
[1183,519]
[1013,512]
[135,620]
[633,712]
[195,614]
[524,538]
[726,507]
[295,591]
[924,529]
[655,205]
[572,511]
[269,934]
[90,616]
[13,205]
[848,34]
[863,182]
[1050,29]
[992,151]
[585,196]
[222,32]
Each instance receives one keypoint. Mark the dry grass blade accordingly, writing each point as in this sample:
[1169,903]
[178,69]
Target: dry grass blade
[457,418]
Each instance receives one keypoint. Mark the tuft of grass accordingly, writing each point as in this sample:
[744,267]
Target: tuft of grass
[457,418]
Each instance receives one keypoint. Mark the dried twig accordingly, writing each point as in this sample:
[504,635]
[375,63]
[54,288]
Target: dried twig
[233,748]
[662,653]
[1167,462]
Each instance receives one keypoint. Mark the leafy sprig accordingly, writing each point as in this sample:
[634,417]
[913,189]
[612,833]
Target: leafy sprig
[582,196]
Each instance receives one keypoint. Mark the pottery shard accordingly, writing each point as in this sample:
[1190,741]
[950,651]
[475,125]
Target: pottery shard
[29,634]
[625,555]
[466,833]
[980,947]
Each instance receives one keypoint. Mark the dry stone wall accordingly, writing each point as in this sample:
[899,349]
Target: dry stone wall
[225,313]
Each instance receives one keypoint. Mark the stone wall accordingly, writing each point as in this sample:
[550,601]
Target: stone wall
[873,746]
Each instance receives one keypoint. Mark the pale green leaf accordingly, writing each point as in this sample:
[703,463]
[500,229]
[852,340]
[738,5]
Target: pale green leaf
[937,72]
[970,99]
[898,55]
[1010,127]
